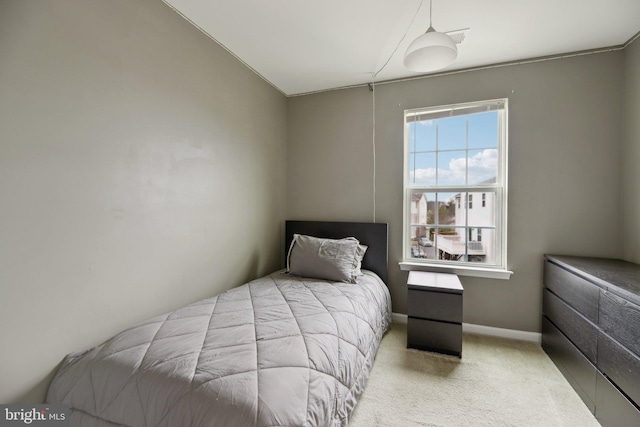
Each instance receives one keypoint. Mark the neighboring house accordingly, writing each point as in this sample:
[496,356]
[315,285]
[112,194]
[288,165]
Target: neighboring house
[474,216]
[418,214]
[471,222]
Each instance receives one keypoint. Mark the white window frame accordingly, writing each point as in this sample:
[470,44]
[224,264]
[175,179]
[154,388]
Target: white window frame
[499,268]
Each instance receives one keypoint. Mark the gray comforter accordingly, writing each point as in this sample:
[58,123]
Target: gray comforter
[278,351]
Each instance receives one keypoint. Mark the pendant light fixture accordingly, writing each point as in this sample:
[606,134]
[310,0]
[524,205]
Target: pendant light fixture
[431,51]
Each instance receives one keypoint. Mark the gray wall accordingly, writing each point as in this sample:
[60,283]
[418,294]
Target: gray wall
[564,156]
[631,154]
[142,167]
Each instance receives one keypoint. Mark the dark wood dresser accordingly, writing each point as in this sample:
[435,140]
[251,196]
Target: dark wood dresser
[591,330]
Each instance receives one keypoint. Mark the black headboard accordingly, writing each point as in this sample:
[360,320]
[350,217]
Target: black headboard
[374,235]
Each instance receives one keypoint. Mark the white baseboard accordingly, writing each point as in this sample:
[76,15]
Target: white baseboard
[513,334]
[486,330]
[399,318]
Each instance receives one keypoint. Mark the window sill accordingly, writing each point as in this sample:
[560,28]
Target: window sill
[489,273]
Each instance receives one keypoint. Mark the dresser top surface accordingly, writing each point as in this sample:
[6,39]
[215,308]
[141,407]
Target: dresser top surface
[618,276]
[443,282]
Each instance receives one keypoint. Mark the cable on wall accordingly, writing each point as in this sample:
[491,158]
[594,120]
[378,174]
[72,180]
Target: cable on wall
[372,88]
[373,136]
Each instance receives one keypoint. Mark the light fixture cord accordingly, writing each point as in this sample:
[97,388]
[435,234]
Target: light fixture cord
[375,74]
[373,89]
[373,97]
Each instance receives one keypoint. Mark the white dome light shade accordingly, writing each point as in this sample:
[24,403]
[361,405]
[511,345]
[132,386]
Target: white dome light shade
[431,51]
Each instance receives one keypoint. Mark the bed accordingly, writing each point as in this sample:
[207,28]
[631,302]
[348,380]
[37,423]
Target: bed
[282,350]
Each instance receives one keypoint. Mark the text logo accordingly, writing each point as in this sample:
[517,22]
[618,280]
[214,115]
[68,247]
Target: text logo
[54,415]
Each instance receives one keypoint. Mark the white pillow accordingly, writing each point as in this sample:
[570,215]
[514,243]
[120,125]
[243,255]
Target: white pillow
[327,259]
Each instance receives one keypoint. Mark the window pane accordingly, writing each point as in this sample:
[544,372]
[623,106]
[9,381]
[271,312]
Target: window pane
[431,208]
[422,169]
[411,167]
[425,135]
[452,168]
[452,133]
[447,208]
[481,248]
[479,242]
[421,243]
[483,166]
[483,212]
[483,130]
[412,137]
[450,243]
[422,208]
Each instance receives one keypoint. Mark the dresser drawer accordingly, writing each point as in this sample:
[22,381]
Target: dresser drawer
[620,319]
[435,305]
[612,408]
[576,291]
[620,365]
[575,326]
[434,336]
[580,373]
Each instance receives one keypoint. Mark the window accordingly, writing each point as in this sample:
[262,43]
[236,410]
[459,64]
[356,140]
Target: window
[451,154]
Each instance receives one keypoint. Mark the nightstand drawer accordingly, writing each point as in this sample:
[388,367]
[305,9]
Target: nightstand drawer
[435,305]
[434,336]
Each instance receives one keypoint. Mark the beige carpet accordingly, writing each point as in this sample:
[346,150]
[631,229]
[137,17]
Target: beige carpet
[498,382]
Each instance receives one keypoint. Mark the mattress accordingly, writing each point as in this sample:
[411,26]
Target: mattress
[278,351]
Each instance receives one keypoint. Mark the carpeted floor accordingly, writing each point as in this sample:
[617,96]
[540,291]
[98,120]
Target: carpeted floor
[498,382]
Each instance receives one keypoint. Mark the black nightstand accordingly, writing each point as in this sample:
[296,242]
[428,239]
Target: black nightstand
[435,312]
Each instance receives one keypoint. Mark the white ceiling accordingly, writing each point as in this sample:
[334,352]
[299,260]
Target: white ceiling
[303,46]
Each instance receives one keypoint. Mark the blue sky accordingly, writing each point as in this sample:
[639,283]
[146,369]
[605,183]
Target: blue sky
[455,165]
